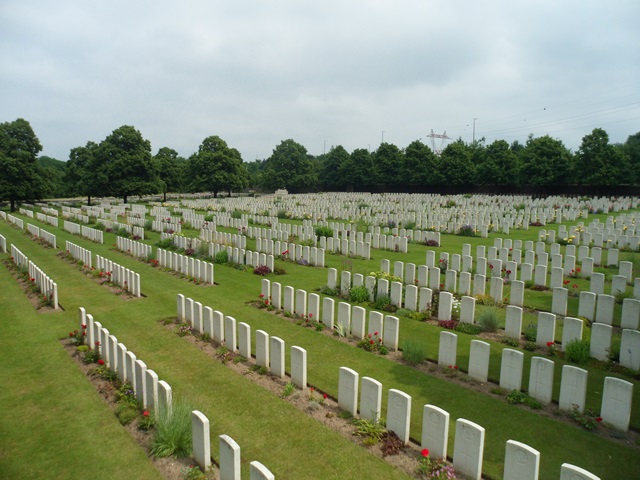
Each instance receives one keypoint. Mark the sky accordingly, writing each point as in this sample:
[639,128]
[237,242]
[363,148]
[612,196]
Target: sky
[351,72]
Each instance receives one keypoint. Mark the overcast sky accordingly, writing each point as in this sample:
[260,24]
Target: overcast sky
[350,73]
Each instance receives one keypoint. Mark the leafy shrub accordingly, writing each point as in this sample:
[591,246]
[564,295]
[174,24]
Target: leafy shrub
[358,294]
[221,257]
[262,270]
[512,342]
[516,397]
[414,352]
[173,431]
[148,224]
[126,413]
[410,225]
[99,226]
[122,232]
[431,243]
[488,319]
[167,243]
[236,213]
[531,333]
[323,231]
[468,328]
[467,231]
[577,351]
[382,302]
[530,346]
[450,324]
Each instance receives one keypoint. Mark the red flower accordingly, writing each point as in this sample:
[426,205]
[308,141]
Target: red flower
[450,366]
[84,327]
[455,366]
[375,333]
[575,285]
[425,452]
[266,302]
[97,344]
[311,389]
[145,413]
[262,295]
[578,269]
[71,334]
[101,362]
[324,395]
[371,342]
[369,335]
[491,266]
[599,419]
[33,279]
[310,315]
[549,344]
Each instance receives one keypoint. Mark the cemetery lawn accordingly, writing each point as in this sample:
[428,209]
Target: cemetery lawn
[45,392]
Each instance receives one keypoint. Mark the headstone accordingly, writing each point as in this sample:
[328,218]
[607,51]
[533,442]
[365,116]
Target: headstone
[511,369]
[262,348]
[229,458]
[399,414]
[630,314]
[479,355]
[587,305]
[630,349]
[328,309]
[447,349]
[276,357]
[559,301]
[468,449]
[445,305]
[541,379]
[201,440]
[230,333]
[258,471]
[600,343]
[571,472]
[435,431]
[513,322]
[573,388]
[571,330]
[358,322]
[348,390]
[605,309]
[391,332]
[299,367]
[370,399]
[616,403]
[546,328]
[521,462]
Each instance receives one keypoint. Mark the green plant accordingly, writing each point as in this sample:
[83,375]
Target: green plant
[359,294]
[530,346]
[173,431]
[289,388]
[468,328]
[382,302]
[262,270]
[577,351]
[339,330]
[105,373]
[512,342]
[414,351]
[78,337]
[182,329]
[435,468]
[126,413]
[488,319]
[323,231]
[147,421]
[373,343]
[371,431]
[92,356]
[588,419]
[125,394]
[345,415]
[193,472]
[531,332]
[516,397]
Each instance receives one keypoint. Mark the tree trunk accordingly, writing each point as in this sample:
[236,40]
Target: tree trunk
[215,194]
[165,197]
[88,200]
[124,198]
[13,204]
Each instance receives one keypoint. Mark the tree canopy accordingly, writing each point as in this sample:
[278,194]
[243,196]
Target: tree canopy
[290,167]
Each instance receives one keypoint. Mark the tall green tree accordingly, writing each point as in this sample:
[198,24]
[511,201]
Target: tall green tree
[124,158]
[600,163]
[170,170]
[20,175]
[82,177]
[358,171]
[632,149]
[421,165]
[290,167]
[456,164]
[500,165]
[545,161]
[216,167]
[53,172]
[333,162]
[387,162]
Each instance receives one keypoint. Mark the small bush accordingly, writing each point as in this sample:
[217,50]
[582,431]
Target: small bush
[577,351]
[359,294]
[414,352]
[148,224]
[516,397]
[468,328]
[323,231]
[530,346]
[531,333]
[221,257]
[449,324]
[167,243]
[431,243]
[99,226]
[126,413]
[467,231]
[488,319]
[382,302]
[262,270]
[173,432]
[122,232]
[512,342]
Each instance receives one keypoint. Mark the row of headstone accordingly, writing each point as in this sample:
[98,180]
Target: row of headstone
[187,265]
[79,253]
[269,351]
[3,244]
[45,285]
[24,211]
[151,392]
[50,211]
[243,257]
[573,388]
[230,459]
[166,227]
[134,230]
[135,248]
[350,320]
[305,254]
[37,232]
[521,461]
[119,275]
[18,222]
[75,216]
[226,238]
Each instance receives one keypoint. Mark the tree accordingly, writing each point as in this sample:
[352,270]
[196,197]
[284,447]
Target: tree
[632,149]
[545,161]
[420,166]
[82,177]
[290,167]
[499,165]
[387,162]
[456,164]
[53,173]
[124,159]
[333,162]
[21,178]
[170,170]
[600,163]
[358,170]
[216,167]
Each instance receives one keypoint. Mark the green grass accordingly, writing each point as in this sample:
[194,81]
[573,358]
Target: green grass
[226,398]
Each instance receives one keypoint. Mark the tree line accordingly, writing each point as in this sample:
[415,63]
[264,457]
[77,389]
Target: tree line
[122,165]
